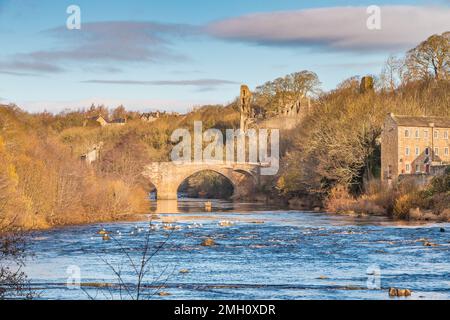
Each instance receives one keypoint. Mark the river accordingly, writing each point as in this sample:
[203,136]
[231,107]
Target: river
[260,253]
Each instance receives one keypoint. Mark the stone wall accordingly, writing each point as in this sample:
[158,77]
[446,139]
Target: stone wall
[389,150]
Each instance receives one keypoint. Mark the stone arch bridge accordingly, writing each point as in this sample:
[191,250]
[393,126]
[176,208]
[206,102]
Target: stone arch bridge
[168,176]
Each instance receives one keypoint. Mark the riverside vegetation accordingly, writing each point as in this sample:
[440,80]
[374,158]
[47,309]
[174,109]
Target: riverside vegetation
[331,160]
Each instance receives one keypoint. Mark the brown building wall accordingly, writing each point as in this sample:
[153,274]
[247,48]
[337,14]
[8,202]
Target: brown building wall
[412,149]
[389,148]
[424,147]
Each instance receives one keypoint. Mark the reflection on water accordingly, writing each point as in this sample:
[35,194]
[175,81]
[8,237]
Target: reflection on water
[165,206]
[261,253]
[186,205]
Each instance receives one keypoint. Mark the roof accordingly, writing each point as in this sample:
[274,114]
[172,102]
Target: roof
[119,120]
[96,118]
[415,121]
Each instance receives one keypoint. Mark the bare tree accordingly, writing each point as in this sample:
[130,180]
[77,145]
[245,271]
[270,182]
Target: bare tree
[392,73]
[277,94]
[431,58]
[13,281]
[144,286]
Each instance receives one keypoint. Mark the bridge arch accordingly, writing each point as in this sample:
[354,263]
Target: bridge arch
[167,176]
[227,182]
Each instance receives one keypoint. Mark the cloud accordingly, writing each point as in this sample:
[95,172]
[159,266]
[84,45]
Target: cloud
[18,74]
[105,45]
[336,28]
[203,84]
[120,41]
[17,65]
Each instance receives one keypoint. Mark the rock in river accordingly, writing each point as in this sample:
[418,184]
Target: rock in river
[394,292]
[225,223]
[208,242]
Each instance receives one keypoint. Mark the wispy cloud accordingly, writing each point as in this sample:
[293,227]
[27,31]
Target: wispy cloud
[200,84]
[120,41]
[336,28]
[101,44]
[17,65]
[18,74]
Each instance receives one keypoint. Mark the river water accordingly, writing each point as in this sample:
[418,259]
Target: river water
[260,253]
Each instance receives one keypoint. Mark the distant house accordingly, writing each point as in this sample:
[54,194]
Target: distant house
[104,123]
[150,116]
[153,116]
[414,145]
[118,122]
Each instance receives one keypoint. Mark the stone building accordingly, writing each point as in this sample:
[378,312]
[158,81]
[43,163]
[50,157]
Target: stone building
[118,122]
[92,154]
[413,145]
[150,116]
[104,123]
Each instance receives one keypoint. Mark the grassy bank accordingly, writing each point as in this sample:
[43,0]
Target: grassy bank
[405,200]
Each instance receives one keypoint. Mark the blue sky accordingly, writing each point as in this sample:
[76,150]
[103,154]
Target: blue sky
[176,54]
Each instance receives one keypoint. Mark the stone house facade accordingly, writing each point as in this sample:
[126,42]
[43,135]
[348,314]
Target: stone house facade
[412,145]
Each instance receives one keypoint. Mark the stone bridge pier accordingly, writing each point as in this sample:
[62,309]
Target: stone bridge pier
[168,176]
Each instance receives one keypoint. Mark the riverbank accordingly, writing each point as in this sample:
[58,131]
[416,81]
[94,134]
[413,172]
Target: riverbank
[364,207]
[404,200]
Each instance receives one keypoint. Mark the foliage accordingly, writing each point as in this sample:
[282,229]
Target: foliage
[431,58]
[43,183]
[275,95]
[338,142]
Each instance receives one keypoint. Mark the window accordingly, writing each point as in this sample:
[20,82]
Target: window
[436,134]
[446,151]
[417,133]
[407,151]
[417,151]
[427,151]
[417,167]
[406,133]
[445,134]
[408,168]
[425,133]
[436,151]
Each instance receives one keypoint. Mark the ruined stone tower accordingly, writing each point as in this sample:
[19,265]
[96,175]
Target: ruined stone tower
[245,105]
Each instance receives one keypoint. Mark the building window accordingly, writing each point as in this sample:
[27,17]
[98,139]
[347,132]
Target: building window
[417,133]
[436,134]
[408,168]
[407,151]
[445,134]
[417,167]
[425,133]
[417,151]
[406,133]
[446,151]
[427,151]
[436,151]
